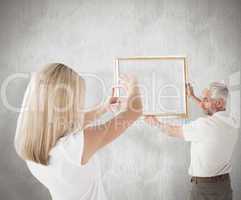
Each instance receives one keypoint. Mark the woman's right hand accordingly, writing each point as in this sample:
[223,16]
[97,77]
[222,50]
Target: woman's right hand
[130,84]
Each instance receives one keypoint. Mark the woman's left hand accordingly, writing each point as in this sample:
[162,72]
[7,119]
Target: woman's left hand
[113,103]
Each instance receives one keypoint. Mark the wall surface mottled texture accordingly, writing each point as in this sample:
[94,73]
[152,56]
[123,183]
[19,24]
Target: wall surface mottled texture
[87,35]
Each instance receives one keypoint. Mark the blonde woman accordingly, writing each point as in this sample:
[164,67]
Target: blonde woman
[52,137]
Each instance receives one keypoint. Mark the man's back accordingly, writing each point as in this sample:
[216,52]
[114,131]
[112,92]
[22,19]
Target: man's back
[213,139]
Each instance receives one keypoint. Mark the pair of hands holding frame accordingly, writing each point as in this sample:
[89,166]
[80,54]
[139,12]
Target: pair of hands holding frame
[128,83]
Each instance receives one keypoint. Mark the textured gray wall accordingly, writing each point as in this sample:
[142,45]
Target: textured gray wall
[87,35]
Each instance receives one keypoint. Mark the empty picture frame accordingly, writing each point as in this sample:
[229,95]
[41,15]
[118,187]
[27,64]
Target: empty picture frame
[162,82]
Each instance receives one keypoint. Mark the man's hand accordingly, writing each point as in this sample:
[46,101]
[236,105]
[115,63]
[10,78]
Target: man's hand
[190,92]
[151,120]
[168,129]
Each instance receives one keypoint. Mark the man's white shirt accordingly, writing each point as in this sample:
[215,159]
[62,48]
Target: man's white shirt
[213,139]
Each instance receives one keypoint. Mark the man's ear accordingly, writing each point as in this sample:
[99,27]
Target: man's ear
[220,103]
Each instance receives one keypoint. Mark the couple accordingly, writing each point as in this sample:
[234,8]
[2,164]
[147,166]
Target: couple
[56,139]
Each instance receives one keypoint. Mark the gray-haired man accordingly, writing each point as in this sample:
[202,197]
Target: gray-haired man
[212,142]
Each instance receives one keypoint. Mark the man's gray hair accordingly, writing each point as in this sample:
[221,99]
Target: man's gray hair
[218,90]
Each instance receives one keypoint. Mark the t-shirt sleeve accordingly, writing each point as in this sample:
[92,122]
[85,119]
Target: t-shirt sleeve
[72,147]
[195,130]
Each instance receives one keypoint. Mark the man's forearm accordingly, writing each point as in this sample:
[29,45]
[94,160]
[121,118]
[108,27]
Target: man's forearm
[196,99]
[171,130]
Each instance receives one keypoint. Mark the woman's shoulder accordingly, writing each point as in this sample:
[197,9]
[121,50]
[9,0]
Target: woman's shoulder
[70,146]
[70,137]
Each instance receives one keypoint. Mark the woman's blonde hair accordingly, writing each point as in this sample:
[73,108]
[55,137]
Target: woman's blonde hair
[52,107]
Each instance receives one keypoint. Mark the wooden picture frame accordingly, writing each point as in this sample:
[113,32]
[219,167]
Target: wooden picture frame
[155,59]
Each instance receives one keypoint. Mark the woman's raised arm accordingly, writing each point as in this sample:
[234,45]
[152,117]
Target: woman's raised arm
[98,136]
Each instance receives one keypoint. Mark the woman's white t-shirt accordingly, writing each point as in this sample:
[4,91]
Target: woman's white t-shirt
[65,177]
